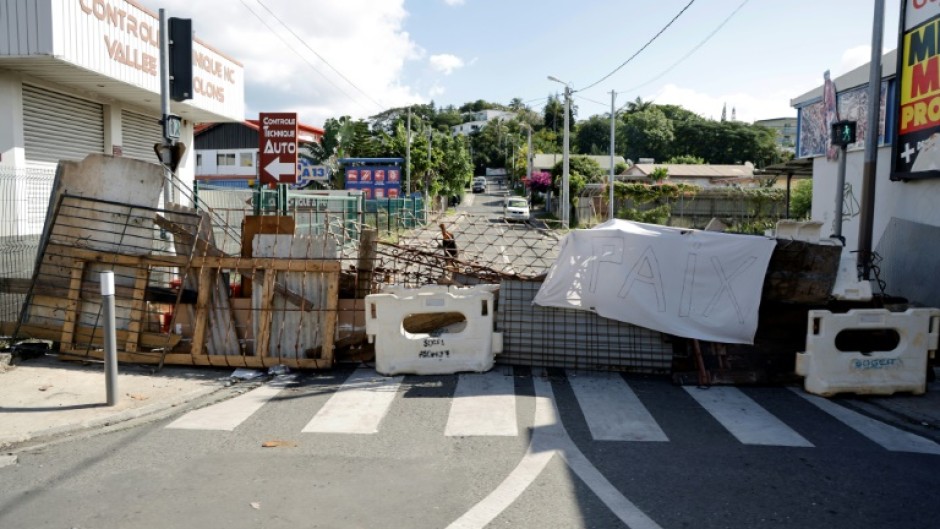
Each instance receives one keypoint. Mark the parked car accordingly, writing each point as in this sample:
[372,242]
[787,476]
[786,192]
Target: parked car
[516,208]
[479,184]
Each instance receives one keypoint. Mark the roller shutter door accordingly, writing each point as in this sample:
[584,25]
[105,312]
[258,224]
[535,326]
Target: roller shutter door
[60,127]
[138,134]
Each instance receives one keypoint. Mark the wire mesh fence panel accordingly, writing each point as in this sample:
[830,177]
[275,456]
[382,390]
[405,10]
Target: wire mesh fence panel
[24,198]
[573,339]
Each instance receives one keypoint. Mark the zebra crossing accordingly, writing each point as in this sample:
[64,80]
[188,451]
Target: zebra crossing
[486,405]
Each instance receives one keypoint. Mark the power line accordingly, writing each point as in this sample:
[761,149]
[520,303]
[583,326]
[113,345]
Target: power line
[692,51]
[310,64]
[624,63]
[302,41]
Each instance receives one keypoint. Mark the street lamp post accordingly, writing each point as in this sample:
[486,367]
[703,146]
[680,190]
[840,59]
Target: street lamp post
[565,199]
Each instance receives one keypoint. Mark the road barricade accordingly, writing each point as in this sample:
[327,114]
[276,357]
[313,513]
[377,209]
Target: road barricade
[829,368]
[401,321]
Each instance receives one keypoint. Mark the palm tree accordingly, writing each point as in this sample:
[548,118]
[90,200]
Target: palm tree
[638,105]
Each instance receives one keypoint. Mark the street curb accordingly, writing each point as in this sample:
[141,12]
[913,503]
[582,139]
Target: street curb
[6,443]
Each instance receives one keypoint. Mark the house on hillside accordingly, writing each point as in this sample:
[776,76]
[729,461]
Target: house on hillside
[475,121]
[702,175]
[227,153]
[906,219]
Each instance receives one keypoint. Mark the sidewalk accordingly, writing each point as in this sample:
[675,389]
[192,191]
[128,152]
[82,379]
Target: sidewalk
[43,398]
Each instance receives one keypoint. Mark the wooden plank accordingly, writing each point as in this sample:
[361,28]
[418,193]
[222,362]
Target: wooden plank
[367,256]
[329,322]
[137,309]
[74,303]
[203,298]
[180,359]
[265,312]
[257,225]
[95,256]
[186,237]
[247,265]
[87,335]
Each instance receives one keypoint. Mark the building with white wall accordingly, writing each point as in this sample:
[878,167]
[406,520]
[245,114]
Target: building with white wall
[785,129]
[83,76]
[478,120]
[906,213]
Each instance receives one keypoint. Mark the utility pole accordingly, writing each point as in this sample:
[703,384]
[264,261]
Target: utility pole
[427,178]
[165,108]
[408,157]
[869,169]
[610,207]
[565,164]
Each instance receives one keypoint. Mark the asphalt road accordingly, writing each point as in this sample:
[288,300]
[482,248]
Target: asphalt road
[358,450]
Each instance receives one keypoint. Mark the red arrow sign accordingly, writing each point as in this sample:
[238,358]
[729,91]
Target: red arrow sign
[277,147]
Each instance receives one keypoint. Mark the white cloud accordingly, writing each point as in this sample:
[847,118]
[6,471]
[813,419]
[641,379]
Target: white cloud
[445,63]
[749,107]
[363,39]
[454,2]
[852,58]
[436,90]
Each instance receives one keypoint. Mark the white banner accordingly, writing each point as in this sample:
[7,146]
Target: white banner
[689,283]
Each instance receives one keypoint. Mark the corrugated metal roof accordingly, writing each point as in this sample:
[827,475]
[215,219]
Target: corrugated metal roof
[677,170]
[544,162]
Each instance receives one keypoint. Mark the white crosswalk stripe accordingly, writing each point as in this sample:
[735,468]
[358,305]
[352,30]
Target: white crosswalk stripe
[612,410]
[358,406]
[744,418]
[887,436]
[229,414]
[484,404]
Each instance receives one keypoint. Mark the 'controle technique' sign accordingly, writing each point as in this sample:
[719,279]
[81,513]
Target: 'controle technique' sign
[277,148]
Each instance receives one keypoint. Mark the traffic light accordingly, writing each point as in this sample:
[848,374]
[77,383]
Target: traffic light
[843,132]
[180,33]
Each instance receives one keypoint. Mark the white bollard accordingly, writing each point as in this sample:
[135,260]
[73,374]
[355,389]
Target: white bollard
[110,337]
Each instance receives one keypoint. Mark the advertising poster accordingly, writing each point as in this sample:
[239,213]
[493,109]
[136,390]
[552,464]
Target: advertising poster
[915,152]
[352,175]
[394,175]
[379,175]
[365,175]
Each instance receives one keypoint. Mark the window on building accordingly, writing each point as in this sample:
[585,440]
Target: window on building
[198,160]
[222,159]
[246,160]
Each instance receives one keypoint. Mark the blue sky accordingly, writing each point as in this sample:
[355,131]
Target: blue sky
[396,52]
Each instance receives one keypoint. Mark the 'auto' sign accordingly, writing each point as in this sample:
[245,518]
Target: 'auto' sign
[277,149]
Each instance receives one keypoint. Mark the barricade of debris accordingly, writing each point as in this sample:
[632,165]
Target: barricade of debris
[179,298]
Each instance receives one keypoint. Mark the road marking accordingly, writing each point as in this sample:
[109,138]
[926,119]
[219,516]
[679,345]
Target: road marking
[358,405]
[549,438]
[227,415]
[612,410]
[483,404]
[745,419]
[887,436]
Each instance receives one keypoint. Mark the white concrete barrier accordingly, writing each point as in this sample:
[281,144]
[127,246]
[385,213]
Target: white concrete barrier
[808,231]
[829,371]
[467,346]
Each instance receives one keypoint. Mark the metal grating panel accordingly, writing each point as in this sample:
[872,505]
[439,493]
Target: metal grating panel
[573,339]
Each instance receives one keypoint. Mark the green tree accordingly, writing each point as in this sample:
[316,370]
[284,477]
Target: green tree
[659,174]
[646,134]
[686,159]
[801,200]
[593,136]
